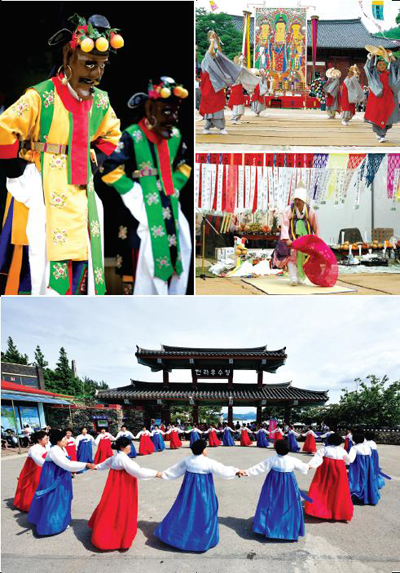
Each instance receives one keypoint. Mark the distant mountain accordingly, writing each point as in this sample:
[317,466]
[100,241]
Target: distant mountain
[245,416]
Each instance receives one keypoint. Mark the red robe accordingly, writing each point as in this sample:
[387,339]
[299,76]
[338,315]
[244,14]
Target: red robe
[114,521]
[245,439]
[237,97]
[28,481]
[213,440]
[330,492]
[379,109]
[256,95]
[175,442]
[71,451]
[104,451]
[146,445]
[346,105]
[310,445]
[211,101]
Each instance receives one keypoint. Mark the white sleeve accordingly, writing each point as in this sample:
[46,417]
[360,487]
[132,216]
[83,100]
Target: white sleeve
[206,431]
[97,440]
[317,460]
[175,471]
[138,435]
[260,468]
[106,464]
[168,431]
[352,455]
[220,470]
[315,435]
[346,458]
[296,434]
[36,455]
[91,438]
[119,434]
[60,459]
[111,437]
[300,466]
[180,431]
[79,439]
[136,471]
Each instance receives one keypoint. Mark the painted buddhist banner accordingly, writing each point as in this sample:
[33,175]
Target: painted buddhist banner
[281,47]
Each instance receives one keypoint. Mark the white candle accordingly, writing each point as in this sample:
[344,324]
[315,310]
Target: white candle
[365,236]
[342,237]
[350,249]
[359,250]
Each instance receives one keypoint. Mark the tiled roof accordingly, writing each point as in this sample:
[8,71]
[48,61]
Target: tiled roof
[179,351]
[209,391]
[22,369]
[342,34]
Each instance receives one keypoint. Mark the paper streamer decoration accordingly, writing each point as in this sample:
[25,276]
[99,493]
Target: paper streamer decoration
[374,161]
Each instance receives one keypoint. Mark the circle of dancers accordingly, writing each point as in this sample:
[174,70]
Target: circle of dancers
[45,490]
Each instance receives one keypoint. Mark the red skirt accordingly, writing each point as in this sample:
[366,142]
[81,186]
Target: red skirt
[175,442]
[27,484]
[146,446]
[278,436]
[104,451]
[330,492]
[346,105]
[213,440]
[114,521]
[71,450]
[244,439]
[309,445]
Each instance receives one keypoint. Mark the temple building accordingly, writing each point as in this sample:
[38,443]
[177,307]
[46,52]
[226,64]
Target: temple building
[212,382]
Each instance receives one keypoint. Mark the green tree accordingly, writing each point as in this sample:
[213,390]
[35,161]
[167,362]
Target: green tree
[207,414]
[88,388]
[223,25]
[62,380]
[39,358]
[13,355]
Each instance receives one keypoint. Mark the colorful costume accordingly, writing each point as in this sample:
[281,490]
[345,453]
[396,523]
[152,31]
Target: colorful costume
[85,444]
[114,521]
[149,173]
[262,440]
[104,451]
[146,446]
[362,477]
[236,102]
[52,235]
[194,435]
[375,461]
[213,441]
[292,442]
[329,488]
[352,95]
[309,445]
[130,437]
[332,94]
[227,439]
[158,441]
[175,442]
[348,442]
[244,437]
[382,109]
[29,477]
[279,513]
[50,509]
[71,449]
[192,522]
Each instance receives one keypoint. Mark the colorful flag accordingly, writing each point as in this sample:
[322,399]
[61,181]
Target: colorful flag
[213,6]
[377,9]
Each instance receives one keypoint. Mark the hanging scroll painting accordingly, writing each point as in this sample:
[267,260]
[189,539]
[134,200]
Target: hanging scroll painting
[281,47]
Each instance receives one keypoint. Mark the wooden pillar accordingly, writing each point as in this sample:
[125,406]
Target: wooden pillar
[230,381]
[166,414]
[195,414]
[287,414]
[260,378]
[165,378]
[259,408]
[230,415]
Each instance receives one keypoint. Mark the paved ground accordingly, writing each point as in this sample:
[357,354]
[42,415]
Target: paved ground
[287,128]
[369,544]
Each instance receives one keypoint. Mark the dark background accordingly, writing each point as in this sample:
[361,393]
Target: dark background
[159,40]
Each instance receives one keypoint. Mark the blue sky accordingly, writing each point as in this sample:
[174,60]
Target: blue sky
[329,340]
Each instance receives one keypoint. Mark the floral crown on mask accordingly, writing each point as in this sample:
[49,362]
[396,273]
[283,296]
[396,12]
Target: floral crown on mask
[166,88]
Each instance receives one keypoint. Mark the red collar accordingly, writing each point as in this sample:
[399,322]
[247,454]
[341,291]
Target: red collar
[71,104]
[151,136]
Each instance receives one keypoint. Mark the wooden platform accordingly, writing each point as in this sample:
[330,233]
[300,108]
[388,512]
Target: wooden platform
[284,129]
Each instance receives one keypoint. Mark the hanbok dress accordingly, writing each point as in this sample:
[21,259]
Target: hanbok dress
[29,477]
[158,441]
[114,521]
[104,451]
[348,442]
[262,440]
[278,434]
[236,102]
[331,89]
[85,444]
[194,435]
[352,95]
[175,442]
[362,477]
[129,435]
[227,439]
[192,522]
[71,449]
[329,488]
[244,437]
[326,436]
[310,445]
[213,441]
[50,509]
[146,446]
[382,109]
[375,460]
[279,513]
[292,442]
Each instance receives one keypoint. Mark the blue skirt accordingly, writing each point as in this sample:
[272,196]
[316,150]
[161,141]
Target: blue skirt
[227,439]
[363,481]
[292,443]
[50,509]
[85,452]
[132,453]
[194,436]
[262,440]
[377,469]
[279,513]
[192,522]
[159,445]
